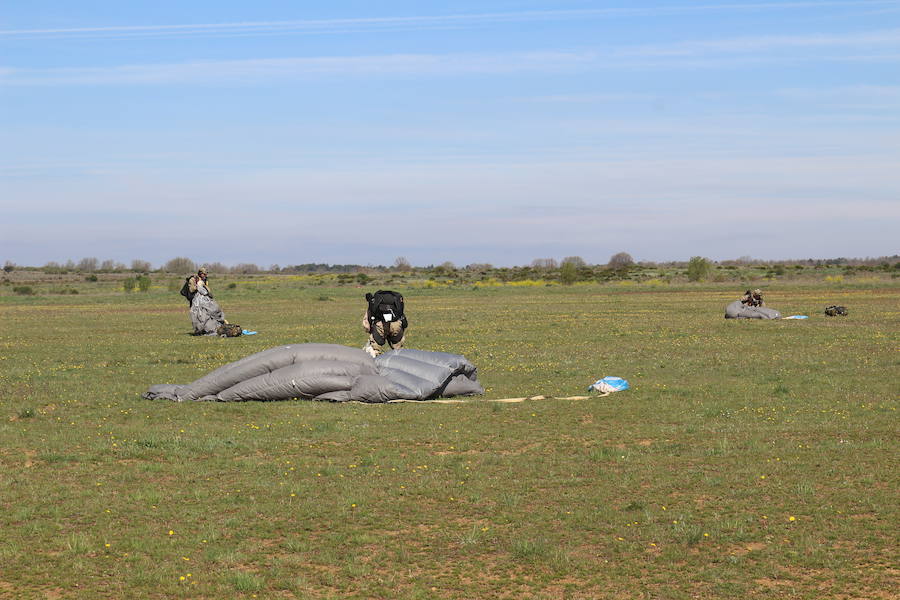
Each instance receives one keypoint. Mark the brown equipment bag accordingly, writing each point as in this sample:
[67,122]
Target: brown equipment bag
[229,330]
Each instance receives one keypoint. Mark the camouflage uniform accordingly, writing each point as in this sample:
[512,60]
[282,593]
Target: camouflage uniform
[197,283]
[753,298]
[395,335]
[206,314]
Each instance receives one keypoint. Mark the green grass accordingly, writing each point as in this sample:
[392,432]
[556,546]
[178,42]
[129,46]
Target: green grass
[749,459]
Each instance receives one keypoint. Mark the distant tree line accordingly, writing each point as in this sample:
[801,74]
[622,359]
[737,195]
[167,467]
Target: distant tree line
[568,270]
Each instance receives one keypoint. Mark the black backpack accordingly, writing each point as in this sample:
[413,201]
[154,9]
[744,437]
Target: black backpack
[186,289]
[386,306]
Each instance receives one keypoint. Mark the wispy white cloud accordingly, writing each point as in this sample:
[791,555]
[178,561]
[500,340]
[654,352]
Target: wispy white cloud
[254,70]
[591,98]
[871,97]
[424,22]
[767,43]
[879,92]
[274,69]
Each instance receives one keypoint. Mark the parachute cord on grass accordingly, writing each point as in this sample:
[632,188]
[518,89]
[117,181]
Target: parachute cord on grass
[504,400]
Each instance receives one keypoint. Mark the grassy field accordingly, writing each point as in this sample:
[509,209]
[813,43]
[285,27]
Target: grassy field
[749,459]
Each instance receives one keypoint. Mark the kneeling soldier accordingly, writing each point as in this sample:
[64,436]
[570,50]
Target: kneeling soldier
[753,298]
[384,321]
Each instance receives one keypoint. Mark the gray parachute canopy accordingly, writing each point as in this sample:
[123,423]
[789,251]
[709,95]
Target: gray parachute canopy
[330,372]
[739,310]
[206,314]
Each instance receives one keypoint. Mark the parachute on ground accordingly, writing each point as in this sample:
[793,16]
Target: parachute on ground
[333,373]
[206,315]
[738,310]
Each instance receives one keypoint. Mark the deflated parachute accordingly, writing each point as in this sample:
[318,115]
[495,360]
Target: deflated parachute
[738,310]
[206,315]
[330,372]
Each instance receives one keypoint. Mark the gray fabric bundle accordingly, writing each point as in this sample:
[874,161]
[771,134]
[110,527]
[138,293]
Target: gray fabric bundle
[739,310]
[206,314]
[330,372]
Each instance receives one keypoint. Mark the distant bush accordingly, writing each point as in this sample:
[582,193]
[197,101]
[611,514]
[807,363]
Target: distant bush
[91,277]
[620,260]
[140,266]
[231,285]
[143,283]
[23,290]
[88,264]
[180,265]
[568,273]
[128,284]
[699,268]
[245,269]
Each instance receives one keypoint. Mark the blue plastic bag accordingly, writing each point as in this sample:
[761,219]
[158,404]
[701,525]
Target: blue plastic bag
[609,384]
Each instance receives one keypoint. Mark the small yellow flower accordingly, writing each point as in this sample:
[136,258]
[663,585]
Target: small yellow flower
[792,518]
[171,532]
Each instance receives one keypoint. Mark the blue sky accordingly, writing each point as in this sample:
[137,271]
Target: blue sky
[492,131]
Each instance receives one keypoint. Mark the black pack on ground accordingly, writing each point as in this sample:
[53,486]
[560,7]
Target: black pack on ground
[834,310]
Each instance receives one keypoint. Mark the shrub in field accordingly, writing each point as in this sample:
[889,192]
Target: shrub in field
[143,283]
[23,290]
[91,277]
[180,264]
[699,268]
[128,284]
[140,266]
[568,272]
[620,260]
[88,264]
